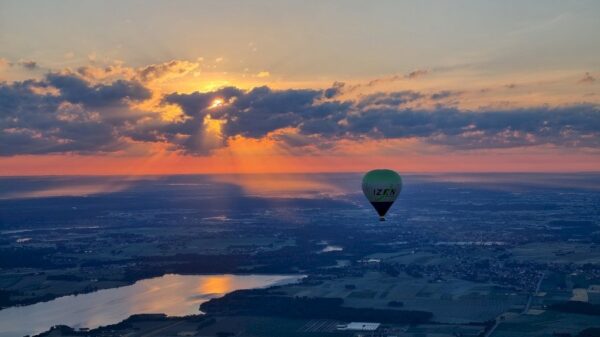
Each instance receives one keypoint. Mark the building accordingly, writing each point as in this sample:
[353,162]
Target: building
[368,327]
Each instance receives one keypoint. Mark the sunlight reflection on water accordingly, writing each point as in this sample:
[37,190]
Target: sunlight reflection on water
[174,295]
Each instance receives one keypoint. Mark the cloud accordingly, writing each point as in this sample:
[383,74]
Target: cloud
[77,113]
[261,111]
[28,64]
[385,80]
[587,79]
[254,113]
[444,94]
[171,69]
[570,126]
[335,90]
[417,73]
[263,74]
[63,113]
[4,63]
[197,103]
[77,90]
[389,99]
[158,72]
[381,81]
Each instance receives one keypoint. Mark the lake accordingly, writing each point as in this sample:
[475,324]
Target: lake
[174,295]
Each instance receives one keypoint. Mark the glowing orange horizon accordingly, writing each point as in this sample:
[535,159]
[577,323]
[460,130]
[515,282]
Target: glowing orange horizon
[180,164]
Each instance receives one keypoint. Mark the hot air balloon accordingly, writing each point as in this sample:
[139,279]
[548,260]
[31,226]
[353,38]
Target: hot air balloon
[381,187]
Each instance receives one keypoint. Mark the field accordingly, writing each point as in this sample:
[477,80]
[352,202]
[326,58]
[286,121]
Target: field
[545,324]
[452,301]
[558,252]
[253,326]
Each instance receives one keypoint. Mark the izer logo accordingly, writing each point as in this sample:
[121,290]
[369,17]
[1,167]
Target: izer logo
[384,192]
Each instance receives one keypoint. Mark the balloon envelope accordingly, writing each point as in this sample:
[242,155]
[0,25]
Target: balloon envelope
[381,187]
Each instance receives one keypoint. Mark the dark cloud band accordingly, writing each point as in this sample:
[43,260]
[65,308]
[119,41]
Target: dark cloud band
[65,113]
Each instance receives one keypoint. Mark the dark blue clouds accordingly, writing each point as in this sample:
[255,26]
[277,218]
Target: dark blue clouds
[197,103]
[262,110]
[253,113]
[31,65]
[76,90]
[66,113]
[567,126]
[387,115]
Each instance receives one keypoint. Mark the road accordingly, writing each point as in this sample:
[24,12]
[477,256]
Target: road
[491,331]
[525,310]
[537,289]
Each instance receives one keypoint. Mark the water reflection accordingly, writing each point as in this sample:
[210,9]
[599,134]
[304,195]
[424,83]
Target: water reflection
[217,284]
[174,295]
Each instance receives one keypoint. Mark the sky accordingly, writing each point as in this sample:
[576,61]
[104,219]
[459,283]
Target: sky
[177,87]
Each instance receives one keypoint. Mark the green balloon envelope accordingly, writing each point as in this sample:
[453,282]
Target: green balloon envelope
[382,187]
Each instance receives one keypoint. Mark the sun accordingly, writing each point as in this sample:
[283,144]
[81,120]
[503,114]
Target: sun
[217,102]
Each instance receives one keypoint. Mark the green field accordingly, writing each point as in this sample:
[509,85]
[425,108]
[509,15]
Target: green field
[545,324]
[453,301]
[557,252]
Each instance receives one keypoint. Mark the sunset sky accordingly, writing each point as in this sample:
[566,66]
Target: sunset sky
[159,87]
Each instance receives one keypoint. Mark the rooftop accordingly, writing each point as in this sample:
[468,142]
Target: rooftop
[361,326]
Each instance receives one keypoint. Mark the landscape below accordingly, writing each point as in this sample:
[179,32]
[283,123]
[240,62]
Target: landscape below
[460,255]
